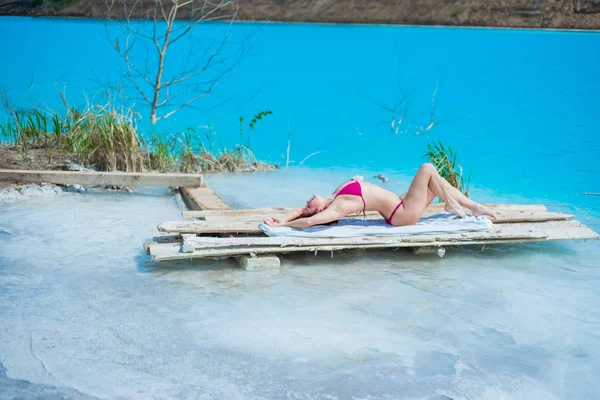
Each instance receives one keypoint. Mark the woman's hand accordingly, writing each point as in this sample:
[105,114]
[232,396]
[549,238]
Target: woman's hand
[273,222]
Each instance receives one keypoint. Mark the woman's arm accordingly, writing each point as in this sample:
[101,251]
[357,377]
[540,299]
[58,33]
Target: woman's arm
[328,215]
[291,216]
[294,214]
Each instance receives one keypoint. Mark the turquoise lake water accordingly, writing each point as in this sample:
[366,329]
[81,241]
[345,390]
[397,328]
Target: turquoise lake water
[521,107]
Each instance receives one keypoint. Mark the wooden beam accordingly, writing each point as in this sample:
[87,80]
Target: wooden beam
[101,178]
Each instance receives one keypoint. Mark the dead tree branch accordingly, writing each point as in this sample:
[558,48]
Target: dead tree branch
[160,83]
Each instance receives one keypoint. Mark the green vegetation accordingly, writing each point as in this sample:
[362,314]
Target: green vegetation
[106,136]
[57,5]
[444,159]
[457,11]
[188,152]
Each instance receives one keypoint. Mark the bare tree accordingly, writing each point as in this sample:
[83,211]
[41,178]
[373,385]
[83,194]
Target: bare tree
[170,87]
[399,113]
[432,110]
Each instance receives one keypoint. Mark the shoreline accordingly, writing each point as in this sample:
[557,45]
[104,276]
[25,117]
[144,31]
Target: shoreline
[40,159]
[337,24]
[509,14]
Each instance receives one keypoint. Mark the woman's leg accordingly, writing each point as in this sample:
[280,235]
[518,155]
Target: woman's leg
[420,194]
[475,208]
[428,182]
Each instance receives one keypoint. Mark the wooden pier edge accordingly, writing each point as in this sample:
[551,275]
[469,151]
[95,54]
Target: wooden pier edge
[203,198]
[171,251]
[101,178]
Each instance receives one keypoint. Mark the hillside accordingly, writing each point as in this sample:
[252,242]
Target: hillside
[564,14]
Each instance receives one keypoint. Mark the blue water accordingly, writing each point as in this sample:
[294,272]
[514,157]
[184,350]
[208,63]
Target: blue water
[522,108]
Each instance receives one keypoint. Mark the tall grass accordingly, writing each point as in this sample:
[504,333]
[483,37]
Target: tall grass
[107,136]
[444,159]
[103,135]
[188,152]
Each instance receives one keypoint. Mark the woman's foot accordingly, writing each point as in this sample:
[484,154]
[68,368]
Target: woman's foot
[453,207]
[479,209]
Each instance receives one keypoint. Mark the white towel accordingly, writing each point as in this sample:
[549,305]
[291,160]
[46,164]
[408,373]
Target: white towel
[348,227]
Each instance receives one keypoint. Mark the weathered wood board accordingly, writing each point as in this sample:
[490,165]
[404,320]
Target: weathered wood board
[203,198]
[101,178]
[249,223]
[502,233]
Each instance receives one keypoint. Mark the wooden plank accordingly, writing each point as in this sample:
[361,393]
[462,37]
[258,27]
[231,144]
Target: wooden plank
[203,198]
[249,224]
[150,246]
[511,217]
[236,242]
[513,233]
[438,207]
[224,226]
[101,178]
[275,211]
[503,218]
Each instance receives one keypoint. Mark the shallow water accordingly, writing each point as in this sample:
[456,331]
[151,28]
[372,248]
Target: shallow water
[85,314]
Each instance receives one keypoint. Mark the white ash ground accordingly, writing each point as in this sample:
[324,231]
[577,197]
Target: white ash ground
[85,314]
[27,191]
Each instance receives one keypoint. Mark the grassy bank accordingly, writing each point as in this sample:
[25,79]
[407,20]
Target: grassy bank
[105,137]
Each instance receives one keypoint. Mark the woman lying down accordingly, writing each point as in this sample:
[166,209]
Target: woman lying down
[353,196]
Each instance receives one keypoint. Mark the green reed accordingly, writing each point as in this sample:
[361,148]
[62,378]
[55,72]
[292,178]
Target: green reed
[444,159]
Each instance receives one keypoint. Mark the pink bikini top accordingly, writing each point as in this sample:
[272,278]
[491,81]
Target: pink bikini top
[354,189]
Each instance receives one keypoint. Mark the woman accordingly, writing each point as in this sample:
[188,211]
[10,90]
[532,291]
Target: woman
[353,196]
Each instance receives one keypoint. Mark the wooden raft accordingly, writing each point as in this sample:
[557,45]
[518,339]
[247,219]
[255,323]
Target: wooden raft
[232,233]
